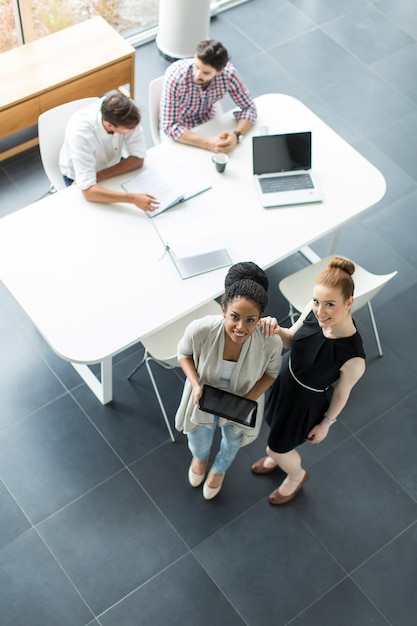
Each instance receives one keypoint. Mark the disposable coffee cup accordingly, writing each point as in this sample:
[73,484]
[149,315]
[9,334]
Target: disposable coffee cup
[220,161]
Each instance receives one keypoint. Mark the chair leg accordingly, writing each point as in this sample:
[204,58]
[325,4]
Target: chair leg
[135,369]
[148,367]
[292,315]
[167,367]
[284,319]
[178,375]
[371,314]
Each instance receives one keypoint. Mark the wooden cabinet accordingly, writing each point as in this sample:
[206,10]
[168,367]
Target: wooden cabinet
[84,60]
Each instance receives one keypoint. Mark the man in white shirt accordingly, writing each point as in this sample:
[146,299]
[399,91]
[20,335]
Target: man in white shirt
[102,140]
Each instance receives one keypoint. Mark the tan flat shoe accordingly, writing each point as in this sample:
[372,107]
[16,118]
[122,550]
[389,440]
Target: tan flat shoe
[259,466]
[277,498]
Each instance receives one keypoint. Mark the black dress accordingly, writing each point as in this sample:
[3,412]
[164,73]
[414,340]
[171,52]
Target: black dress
[291,409]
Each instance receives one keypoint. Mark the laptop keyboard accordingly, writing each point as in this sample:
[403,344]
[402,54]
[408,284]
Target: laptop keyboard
[286,183]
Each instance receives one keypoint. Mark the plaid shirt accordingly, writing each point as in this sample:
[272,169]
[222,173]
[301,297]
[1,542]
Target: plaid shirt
[184,104]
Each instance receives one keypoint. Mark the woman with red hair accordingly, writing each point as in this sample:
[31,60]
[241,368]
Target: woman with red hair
[325,351]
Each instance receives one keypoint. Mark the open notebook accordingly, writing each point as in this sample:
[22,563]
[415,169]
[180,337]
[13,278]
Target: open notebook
[169,188]
[192,241]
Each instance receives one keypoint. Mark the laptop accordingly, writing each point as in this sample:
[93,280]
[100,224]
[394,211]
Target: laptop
[282,169]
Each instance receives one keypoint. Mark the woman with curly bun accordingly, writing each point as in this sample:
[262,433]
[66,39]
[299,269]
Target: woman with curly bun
[325,351]
[230,352]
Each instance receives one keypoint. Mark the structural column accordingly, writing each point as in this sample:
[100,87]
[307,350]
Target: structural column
[182,24]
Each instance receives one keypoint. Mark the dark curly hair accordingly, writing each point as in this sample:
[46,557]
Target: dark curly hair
[246,280]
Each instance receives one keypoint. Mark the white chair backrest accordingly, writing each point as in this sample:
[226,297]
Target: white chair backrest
[51,132]
[367,285]
[154,98]
[298,287]
[162,345]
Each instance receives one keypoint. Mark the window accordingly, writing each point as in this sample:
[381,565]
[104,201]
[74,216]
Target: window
[8,31]
[22,21]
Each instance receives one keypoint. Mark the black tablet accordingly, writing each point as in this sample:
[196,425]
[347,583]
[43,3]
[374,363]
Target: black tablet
[229,405]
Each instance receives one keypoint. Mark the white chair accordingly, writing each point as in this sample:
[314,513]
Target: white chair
[161,347]
[154,99]
[51,132]
[298,289]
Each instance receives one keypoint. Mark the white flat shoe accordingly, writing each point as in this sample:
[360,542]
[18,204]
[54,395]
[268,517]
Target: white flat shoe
[194,479]
[211,492]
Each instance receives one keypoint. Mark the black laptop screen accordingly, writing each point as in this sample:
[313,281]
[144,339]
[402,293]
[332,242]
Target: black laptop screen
[281,153]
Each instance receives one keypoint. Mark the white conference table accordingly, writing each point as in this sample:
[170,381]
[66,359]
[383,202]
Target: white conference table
[95,278]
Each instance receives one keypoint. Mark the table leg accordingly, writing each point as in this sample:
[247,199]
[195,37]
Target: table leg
[309,254]
[104,389]
[335,241]
[312,257]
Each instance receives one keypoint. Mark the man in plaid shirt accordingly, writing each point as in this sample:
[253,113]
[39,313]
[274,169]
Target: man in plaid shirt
[191,89]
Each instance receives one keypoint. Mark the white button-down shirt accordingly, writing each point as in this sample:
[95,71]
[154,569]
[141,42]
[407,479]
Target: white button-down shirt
[89,148]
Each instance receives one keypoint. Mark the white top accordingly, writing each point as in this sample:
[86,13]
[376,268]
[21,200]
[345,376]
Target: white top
[226,375]
[89,148]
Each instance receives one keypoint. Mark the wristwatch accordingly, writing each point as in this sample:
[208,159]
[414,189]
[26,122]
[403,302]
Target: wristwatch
[328,420]
[238,135]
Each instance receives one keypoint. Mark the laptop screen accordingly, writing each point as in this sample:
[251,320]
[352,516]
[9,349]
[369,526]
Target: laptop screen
[281,153]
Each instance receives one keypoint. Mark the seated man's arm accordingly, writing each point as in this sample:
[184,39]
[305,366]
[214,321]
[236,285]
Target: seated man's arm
[97,193]
[124,166]
[227,141]
[87,178]
[94,192]
[246,114]
[169,107]
[242,98]
[192,139]
[176,101]
[172,126]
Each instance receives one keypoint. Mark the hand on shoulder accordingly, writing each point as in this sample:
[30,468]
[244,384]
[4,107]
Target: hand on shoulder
[269,326]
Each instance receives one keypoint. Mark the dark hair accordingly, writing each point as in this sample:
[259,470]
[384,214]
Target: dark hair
[212,52]
[338,275]
[119,110]
[246,269]
[246,280]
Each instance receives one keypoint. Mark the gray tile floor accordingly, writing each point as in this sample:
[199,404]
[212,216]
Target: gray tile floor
[97,522]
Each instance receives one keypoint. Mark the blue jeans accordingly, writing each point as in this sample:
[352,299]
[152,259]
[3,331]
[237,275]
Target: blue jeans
[68,181]
[200,441]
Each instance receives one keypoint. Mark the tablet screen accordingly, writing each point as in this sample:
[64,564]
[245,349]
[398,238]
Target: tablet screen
[228,405]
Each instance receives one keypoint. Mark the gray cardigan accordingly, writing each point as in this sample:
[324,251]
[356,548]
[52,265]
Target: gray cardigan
[203,341]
